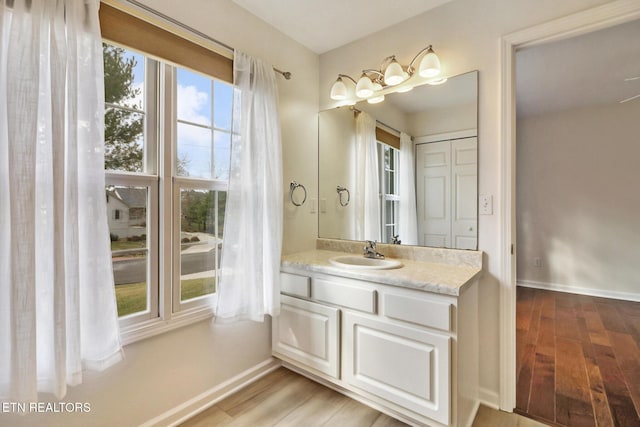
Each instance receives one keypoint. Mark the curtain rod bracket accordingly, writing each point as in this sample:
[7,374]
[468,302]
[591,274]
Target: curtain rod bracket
[285,74]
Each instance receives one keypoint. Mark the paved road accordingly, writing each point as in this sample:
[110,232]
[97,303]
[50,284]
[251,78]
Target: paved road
[133,270]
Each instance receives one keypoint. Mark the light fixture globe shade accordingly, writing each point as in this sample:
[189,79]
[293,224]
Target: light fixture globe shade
[430,65]
[339,90]
[394,74]
[375,99]
[404,89]
[364,88]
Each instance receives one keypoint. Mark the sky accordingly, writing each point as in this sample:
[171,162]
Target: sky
[200,101]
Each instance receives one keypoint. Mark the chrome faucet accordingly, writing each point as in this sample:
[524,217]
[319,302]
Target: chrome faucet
[370,250]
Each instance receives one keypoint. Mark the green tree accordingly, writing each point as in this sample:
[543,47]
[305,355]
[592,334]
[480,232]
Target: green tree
[122,128]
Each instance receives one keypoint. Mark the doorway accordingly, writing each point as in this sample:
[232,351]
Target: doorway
[577,131]
[581,23]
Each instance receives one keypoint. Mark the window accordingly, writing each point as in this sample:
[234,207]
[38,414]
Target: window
[203,125]
[168,137]
[389,160]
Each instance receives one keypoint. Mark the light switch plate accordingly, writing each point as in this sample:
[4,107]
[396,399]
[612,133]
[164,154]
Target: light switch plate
[486,204]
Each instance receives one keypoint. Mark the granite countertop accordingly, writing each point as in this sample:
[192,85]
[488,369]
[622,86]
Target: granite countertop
[427,276]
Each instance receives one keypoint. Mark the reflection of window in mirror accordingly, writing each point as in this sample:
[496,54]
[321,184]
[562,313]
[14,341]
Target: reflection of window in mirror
[388,159]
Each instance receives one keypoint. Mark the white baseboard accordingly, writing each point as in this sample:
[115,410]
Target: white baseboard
[602,293]
[205,400]
[489,398]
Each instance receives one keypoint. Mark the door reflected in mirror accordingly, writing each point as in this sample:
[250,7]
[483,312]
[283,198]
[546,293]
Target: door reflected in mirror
[419,159]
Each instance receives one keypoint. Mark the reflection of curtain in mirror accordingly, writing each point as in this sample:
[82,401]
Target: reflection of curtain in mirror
[408,222]
[367,194]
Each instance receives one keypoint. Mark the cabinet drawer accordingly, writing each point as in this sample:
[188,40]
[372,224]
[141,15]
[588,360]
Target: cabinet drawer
[414,309]
[345,295]
[293,284]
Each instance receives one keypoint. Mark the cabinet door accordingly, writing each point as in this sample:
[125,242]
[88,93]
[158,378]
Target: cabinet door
[401,364]
[308,333]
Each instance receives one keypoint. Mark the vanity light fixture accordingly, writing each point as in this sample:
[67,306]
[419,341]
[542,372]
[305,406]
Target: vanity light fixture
[391,73]
[376,99]
[339,90]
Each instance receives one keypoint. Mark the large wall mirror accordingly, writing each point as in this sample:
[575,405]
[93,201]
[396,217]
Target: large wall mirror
[426,185]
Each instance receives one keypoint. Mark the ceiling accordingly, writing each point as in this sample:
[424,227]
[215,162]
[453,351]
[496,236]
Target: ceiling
[325,25]
[578,72]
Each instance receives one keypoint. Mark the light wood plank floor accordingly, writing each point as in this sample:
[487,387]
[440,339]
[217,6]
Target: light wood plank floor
[285,399]
[578,359]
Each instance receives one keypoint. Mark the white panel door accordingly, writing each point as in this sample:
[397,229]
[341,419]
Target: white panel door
[433,193]
[464,193]
[308,333]
[403,365]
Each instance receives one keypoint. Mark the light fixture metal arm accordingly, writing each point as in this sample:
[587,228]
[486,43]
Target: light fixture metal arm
[349,77]
[379,76]
[410,68]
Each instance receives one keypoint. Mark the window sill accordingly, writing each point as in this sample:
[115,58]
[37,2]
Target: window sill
[150,328]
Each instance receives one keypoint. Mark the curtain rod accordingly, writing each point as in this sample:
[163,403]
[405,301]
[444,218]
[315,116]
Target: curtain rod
[285,74]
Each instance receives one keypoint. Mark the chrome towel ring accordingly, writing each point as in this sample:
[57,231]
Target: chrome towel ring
[341,190]
[292,188]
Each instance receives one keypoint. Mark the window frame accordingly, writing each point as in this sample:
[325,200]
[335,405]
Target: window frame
[388,197]
[165,310]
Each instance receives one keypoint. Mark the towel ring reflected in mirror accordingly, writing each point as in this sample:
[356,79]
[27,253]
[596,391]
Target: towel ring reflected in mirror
[292,188]
[341,190]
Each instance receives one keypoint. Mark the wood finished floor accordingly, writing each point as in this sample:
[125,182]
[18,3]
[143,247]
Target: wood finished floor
[578,359]
[285,398]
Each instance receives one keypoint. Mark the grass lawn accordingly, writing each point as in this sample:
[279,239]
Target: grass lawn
[132,297]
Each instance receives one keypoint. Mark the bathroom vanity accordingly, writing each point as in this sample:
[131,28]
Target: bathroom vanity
[403,340]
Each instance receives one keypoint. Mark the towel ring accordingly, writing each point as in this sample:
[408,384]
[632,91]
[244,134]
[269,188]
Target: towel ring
[341,190]
[292,188]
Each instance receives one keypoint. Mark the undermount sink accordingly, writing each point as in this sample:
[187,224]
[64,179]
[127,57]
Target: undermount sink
[362,263]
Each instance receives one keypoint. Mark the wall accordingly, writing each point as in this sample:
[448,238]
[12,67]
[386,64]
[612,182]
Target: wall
[465,34]
[577,199]
[167,370]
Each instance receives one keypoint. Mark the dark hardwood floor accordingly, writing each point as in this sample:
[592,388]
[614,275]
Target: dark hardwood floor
[578,359]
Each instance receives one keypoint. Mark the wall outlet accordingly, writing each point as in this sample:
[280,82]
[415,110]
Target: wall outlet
[485,204]
[537,262]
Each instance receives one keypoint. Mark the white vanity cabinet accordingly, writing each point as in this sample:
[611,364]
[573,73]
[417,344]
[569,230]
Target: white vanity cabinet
[410,353]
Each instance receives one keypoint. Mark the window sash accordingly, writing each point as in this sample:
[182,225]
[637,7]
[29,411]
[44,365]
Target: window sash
[151,183]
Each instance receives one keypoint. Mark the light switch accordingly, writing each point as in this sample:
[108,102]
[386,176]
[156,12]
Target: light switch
[486,204]
[314,205]
[323,205]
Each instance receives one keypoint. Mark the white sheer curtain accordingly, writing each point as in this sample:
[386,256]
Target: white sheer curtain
[367,179]
[57,299]
[249,286]
[408,222]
